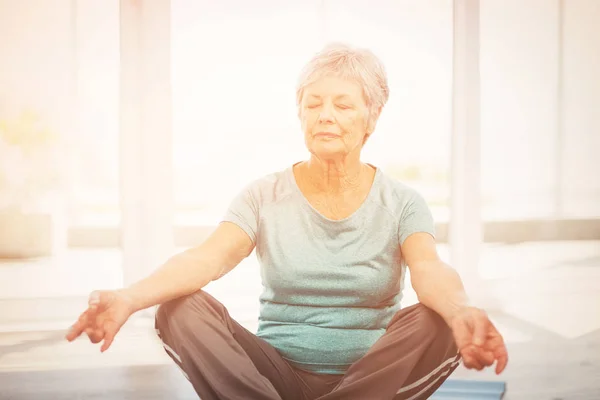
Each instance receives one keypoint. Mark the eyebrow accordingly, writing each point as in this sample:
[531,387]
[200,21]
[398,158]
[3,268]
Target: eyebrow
[337,97]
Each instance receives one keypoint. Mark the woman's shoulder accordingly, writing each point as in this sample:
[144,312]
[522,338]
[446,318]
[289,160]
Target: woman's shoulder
[396,188]
[270,179]
[399,197]
[271,186]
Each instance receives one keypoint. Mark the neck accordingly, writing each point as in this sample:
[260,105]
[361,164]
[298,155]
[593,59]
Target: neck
[335,176]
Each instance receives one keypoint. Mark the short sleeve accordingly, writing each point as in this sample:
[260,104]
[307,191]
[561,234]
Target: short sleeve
[416,217]
[243,211]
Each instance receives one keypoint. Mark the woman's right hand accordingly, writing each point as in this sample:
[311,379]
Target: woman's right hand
[106,313]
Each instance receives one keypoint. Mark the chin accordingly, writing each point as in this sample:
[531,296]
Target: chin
[325,153]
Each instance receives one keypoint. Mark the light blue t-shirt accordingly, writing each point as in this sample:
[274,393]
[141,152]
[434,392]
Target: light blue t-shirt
[330,287]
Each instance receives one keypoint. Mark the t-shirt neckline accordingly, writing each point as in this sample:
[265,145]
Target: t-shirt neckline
[310,208]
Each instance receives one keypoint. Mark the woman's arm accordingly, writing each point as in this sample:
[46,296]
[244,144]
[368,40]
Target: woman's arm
[438,286]
[191,270]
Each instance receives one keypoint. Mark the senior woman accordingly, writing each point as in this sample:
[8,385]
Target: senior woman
[333,236]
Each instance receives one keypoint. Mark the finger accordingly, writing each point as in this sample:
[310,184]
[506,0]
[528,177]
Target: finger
[91,334]
[98,332]
[485,358]
[92,313]
[502,357]
[110,331]
[95,337]
[78,327]
[74,332]
[108,339]
[480,329]
[98,335]
[501,365]
[99,300]
[94,302]
[94,298]
[485,355]
[469,359]
[496,345]
[472,363]
[95,334]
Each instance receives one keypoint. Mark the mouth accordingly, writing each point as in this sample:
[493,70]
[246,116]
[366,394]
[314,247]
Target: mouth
[327,135]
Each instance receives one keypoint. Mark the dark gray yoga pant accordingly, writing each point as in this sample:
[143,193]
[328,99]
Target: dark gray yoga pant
[223,360]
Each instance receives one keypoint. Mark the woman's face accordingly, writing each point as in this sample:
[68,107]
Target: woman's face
[334,117]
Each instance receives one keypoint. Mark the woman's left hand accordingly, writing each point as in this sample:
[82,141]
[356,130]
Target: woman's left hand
[479,342]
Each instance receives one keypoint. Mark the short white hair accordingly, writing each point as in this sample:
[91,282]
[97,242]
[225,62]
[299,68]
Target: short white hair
[348,62]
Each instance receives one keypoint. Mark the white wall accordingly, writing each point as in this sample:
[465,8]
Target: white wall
[581,107]
[519,69]
[521,106]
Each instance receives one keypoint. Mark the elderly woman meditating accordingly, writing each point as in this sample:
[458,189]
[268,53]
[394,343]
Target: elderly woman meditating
[333,236]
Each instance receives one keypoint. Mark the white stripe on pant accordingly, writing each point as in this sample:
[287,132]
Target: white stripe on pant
[174,355]
[452,363]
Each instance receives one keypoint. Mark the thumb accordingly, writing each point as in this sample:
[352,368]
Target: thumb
[479,329]
[97,298]
[94,298]
[462,333]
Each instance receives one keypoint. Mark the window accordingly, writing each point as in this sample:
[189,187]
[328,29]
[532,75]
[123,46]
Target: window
[95,187]
[235,68]
[59,63]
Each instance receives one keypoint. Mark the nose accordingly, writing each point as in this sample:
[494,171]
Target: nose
[326,115]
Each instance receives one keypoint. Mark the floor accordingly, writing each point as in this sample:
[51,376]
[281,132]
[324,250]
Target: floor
[549,313]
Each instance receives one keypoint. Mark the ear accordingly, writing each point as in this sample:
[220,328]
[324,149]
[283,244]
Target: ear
[366,137]
[372,121]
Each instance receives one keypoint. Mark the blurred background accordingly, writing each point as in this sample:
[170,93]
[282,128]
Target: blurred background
[127,126]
